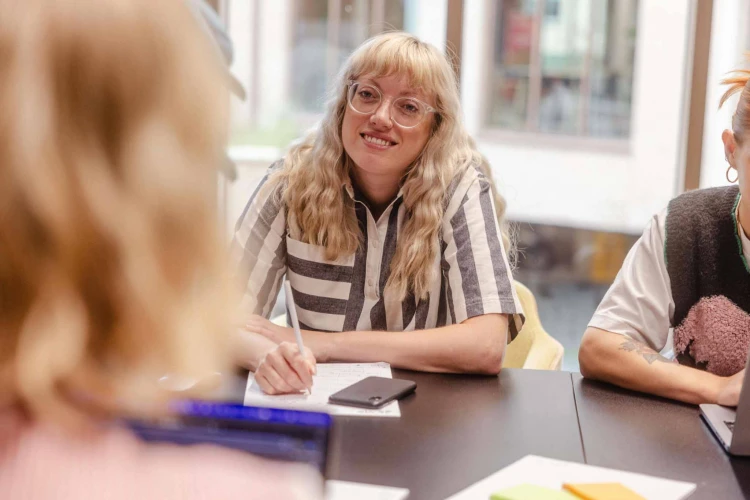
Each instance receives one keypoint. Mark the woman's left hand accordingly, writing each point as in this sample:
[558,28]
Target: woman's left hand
[269,330]
[317,342]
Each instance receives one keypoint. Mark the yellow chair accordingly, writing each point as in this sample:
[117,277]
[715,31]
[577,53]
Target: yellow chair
[533,348]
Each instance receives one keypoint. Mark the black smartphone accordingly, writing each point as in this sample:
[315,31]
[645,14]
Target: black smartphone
[373,392]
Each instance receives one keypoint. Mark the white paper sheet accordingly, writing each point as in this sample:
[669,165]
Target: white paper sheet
[551,473]
[331,378]
[344,490]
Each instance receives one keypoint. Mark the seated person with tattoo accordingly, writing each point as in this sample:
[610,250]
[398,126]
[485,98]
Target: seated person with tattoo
[685,285]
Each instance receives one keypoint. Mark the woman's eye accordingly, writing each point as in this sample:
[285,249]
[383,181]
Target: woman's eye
[410,108]
[366,94]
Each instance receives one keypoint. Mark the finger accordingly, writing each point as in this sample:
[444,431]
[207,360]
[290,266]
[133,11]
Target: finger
[264,385]
[282,360]
[254,328]
[312,363]
[256,325]
[277,382]
[297,362]
[264,328]
[262,331]
[255,320]
[268,369]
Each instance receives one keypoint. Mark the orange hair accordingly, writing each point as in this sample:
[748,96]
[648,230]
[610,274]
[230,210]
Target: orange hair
[112,121]
[738,83]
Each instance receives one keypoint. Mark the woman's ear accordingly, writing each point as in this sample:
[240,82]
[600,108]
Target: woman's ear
[730,145]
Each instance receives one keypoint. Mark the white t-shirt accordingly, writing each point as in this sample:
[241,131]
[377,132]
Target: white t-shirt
[639,303]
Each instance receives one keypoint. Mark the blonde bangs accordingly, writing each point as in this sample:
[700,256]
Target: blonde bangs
[396,53]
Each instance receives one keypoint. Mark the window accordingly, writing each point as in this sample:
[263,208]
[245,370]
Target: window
[563,67]
[286,53]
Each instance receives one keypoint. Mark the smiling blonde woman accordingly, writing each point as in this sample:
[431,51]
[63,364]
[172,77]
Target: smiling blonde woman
[384,220]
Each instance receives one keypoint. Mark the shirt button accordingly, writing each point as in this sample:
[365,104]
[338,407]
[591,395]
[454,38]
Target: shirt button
[370,282]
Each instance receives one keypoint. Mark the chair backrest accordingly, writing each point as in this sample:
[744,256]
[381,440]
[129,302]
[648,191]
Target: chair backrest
[533,347]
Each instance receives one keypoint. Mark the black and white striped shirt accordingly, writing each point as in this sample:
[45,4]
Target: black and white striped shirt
[349,294]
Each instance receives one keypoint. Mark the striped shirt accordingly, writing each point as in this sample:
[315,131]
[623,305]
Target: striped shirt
[349,293]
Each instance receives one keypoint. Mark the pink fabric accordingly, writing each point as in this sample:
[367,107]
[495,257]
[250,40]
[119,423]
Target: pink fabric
[716,332]
[41,462]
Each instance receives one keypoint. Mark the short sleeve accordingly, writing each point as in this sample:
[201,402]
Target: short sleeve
[475,261]
[639,303]
[258,248]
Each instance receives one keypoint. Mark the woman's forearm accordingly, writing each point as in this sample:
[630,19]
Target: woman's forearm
[474,346]
[625,362]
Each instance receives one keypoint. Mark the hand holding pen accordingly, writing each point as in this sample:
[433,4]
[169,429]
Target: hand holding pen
[288,367]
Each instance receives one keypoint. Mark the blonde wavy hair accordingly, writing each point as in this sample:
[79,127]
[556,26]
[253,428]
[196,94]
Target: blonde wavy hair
[112,121]
[316,170]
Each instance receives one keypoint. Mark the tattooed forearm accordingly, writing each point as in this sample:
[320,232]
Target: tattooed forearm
[648,354]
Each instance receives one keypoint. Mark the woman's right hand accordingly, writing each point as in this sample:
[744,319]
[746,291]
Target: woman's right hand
[284,370]
[729,394]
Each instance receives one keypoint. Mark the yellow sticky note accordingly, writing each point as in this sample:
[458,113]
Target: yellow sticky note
[602,491]
[531,492]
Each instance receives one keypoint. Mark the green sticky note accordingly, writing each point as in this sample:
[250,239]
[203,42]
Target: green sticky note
[531,492]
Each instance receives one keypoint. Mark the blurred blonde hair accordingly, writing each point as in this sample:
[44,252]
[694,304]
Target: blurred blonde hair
[316,169]
[738,81]
[112,119]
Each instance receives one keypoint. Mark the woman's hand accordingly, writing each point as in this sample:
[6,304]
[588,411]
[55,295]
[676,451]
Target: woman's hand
[318,342]
[285,370]
[268,329]
[729,394]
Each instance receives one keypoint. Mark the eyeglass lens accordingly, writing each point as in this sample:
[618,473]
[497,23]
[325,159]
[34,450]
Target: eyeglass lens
[405,111]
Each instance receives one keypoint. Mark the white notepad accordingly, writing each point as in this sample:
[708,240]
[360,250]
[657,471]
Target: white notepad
[552,474]
[331,378]
[344,490]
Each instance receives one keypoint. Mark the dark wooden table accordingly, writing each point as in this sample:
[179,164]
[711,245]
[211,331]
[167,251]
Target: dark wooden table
[640,433]
[458,429]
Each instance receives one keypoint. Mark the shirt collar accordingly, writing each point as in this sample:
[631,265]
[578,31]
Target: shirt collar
[743,237]
[356,195]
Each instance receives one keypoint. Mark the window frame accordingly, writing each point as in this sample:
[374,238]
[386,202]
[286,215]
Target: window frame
[531,135]
[377,16]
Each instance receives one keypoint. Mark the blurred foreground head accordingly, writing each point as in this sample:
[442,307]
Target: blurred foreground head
[112,124]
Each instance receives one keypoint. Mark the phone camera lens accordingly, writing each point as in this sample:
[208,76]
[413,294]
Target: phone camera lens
[375,399]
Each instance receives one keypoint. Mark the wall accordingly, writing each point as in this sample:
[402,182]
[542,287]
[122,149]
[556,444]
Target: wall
[728,41]
[573,184]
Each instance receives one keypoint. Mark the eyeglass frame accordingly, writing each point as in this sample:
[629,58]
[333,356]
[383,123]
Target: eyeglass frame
[350,83]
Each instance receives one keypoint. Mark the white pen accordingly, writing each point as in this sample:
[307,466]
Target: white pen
[293,315]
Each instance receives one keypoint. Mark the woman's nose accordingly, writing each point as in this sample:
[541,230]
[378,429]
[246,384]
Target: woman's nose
[382,116]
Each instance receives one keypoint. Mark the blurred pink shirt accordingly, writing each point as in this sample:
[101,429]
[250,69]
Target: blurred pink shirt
[41,462]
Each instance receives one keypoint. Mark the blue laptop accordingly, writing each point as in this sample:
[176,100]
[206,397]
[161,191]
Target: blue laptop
[289,435]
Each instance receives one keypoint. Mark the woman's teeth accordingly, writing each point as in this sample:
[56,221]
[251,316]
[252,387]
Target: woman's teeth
[377,141]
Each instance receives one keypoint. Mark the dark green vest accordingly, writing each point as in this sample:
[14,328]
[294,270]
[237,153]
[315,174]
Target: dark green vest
[710,280]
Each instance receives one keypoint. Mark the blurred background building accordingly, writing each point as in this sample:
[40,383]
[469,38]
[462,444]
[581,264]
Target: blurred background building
[593,113]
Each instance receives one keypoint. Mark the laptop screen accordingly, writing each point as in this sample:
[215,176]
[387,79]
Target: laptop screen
[290,435]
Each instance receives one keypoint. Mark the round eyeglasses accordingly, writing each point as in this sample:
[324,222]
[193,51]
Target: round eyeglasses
[406,112]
